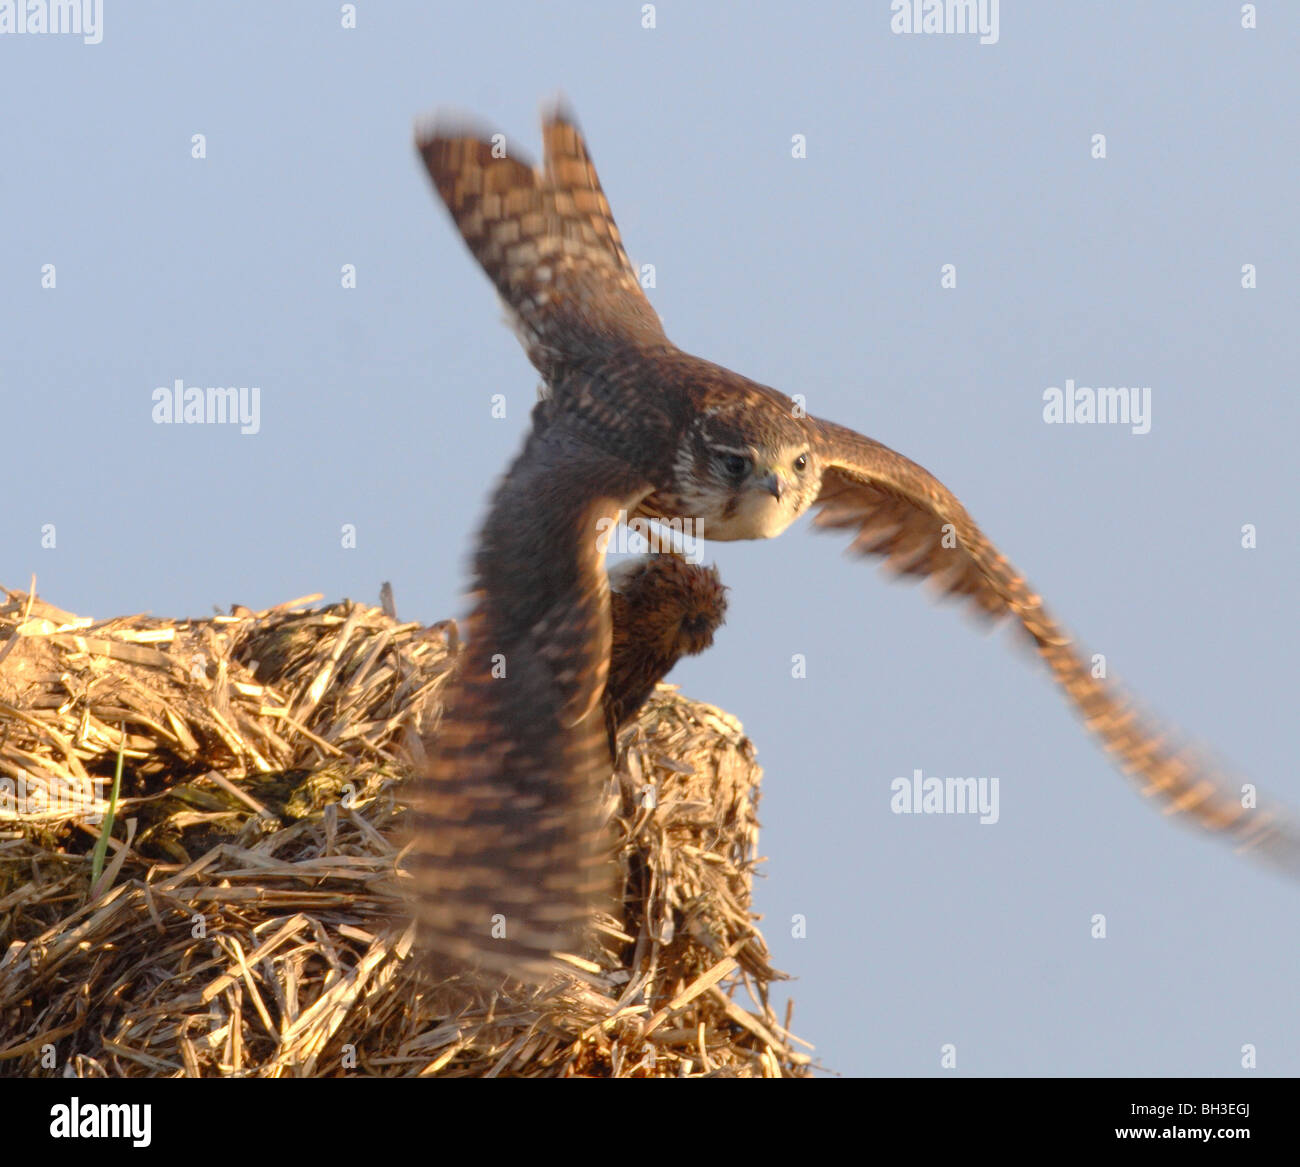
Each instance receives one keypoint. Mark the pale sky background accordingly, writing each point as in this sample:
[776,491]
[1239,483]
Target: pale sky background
[819,276]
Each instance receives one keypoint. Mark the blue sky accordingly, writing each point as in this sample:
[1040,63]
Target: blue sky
[819,275]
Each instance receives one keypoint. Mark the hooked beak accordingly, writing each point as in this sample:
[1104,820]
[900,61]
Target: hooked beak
[772,483]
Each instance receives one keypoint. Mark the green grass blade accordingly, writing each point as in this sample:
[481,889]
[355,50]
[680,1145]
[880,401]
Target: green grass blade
[106,827]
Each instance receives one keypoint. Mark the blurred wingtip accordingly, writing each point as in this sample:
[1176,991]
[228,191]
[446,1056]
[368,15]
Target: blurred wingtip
[558,109]
[446,122]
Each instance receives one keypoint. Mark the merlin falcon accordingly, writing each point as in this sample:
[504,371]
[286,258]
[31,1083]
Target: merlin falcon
[509,805]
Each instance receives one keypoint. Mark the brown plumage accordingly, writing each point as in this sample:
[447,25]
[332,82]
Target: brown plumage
[663,609]
[630,422]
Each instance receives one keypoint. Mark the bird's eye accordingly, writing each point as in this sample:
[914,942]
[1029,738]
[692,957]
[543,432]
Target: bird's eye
[801,463]
[736,465]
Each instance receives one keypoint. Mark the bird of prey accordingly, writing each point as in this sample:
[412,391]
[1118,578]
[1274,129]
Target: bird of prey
[629,424]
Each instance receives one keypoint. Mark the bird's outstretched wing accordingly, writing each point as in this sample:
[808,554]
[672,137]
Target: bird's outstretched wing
[507,854]
[904,514]
[507,851]
[546,238]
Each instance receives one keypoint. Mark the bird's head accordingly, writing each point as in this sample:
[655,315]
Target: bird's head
[747,468]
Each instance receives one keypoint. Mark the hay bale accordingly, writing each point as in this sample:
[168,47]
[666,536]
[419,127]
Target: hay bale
[249,921]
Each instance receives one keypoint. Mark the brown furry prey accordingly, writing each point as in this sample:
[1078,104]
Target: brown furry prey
[508,855]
